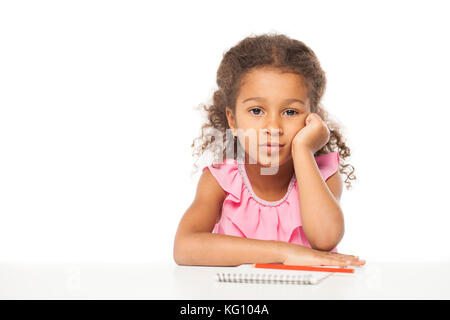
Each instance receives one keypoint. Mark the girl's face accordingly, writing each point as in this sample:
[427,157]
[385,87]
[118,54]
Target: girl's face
[271,108]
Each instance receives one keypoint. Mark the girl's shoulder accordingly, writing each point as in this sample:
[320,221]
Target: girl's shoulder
[328,163]
[227,175]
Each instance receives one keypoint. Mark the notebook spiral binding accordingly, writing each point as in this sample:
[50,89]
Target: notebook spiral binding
[265,278]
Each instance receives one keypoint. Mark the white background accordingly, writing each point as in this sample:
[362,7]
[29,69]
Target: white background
[98,112]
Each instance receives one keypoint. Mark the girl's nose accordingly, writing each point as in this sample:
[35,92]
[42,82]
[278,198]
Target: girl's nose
[272,131]
[273,126]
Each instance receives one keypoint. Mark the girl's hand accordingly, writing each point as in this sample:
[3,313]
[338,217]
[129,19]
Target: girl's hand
[314,135]
[304,256]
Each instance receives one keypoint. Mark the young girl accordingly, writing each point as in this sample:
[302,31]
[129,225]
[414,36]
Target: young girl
[275,197]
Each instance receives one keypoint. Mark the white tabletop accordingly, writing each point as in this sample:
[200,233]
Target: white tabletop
[375,280]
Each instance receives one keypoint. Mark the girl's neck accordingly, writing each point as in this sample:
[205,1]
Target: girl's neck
[269,185]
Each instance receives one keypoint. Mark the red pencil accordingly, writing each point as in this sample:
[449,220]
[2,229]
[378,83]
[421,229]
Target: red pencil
[303,268]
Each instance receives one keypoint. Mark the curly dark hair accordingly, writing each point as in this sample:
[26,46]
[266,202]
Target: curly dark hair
[285,54]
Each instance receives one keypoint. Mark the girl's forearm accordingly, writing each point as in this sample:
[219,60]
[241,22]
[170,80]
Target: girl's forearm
[211,249]
[321,215]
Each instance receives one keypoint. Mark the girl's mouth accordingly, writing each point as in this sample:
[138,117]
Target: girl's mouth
[271,147]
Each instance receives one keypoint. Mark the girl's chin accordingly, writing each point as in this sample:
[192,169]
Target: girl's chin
[269,160]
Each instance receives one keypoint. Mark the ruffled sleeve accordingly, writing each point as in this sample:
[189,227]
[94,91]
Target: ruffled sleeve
[328,164]
[228,177]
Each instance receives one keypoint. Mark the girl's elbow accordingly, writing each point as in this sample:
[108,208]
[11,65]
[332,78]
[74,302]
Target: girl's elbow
[184,250]
[180,257]
[179,253]
[323,246]
[326,243]
[179,261]
[177,257]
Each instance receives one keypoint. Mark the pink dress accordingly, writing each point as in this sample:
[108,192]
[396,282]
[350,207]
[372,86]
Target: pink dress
[246,215]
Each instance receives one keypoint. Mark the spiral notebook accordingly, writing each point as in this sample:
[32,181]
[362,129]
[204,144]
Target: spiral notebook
[247,274]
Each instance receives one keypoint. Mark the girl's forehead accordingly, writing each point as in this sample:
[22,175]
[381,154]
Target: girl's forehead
[272,82]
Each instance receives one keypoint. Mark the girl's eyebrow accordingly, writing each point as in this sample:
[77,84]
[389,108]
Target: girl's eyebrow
[289,100]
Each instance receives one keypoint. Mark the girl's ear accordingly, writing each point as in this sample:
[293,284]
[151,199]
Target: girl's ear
[230,118]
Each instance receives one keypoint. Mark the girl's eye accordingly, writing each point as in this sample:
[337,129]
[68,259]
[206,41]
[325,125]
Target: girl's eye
[256,110]
[292,111]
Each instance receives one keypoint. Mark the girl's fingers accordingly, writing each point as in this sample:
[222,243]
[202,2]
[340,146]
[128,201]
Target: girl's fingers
[351,258]
[344,260]
[337,262]
[338,259]
[347,256]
